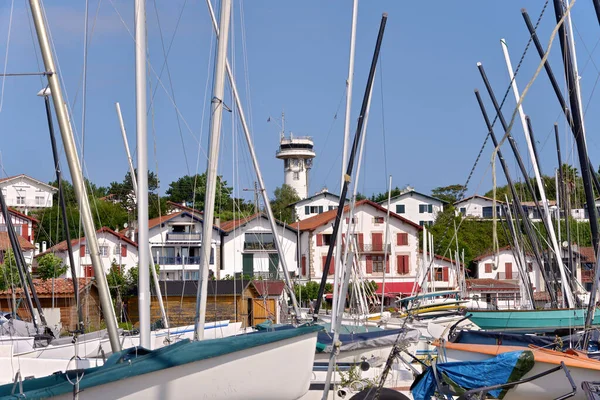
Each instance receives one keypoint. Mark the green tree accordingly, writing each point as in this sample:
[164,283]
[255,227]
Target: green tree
[383,196]
[448,193]
[191,190]
[8,271]
[284,196]
[360,196]
[93,191]
[123,191]
[50,266]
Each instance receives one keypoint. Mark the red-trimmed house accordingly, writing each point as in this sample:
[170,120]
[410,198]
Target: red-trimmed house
[24,226]
[368,225]
[115,250]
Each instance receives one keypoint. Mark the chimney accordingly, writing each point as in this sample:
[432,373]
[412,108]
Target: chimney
[43,246]
[37,249]
[217,222]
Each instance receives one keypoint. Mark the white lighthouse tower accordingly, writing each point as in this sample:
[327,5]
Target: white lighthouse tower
[297,154]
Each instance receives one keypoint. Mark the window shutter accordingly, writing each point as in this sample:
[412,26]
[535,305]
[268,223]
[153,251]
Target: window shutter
[369,265]
[25,231]
[123,250]
[82,250]
[488,268]
[319,240]
[347,220]
[445,274]
[377,241]
[402,264]
[399,266]
[402,239]
[361,242]
[508,270]
[332,266]
[430,208]
[343,238]
[387,265]
[303,265]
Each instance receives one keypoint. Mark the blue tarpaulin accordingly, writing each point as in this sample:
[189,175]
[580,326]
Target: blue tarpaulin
[467,375]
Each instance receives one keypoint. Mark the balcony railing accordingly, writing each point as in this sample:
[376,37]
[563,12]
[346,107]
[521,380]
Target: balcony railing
[177,260]
[375,248]
[257,246]
[182,236]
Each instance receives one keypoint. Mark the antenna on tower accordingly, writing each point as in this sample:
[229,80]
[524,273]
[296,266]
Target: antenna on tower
[282,124]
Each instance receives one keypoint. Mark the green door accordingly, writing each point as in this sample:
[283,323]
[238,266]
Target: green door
[248,264]
[273,265]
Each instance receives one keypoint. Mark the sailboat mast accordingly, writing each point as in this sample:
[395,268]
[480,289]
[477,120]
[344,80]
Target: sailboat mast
[564,197]
[259,177]
[385,243]
[76,174]
[163,313]
[349,85]
[568,297]
[350,167]
[63,212]
[212,164]
[142,178]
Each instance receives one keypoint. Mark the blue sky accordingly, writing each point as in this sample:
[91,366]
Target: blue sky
[293,56]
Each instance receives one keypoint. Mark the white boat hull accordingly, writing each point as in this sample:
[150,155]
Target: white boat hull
[262,372]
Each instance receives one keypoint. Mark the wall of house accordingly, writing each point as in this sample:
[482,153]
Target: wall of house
[474,207]
[504,258]
[109,252]
[185,256]
[365,224]
[25,194]
[327,202]
[23,226]
[233,249]
[411,202]
[443,274]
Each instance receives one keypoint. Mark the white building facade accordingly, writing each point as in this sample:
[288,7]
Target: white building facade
[249,248]
[503,265]
[478,207]
[368,227]
[416,207]
[26,194]
[176,241]
[317,204]
[115,249]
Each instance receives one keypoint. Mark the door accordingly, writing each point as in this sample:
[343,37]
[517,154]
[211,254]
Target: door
[262,310]
[273,265]
[248,264]
[508,270]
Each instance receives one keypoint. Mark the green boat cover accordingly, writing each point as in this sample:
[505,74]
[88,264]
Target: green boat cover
[138,361]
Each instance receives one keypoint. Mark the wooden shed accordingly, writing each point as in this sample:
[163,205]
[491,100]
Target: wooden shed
[235,300]
[59,293]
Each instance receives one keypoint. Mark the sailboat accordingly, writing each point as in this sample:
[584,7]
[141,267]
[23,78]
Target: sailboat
[169,372]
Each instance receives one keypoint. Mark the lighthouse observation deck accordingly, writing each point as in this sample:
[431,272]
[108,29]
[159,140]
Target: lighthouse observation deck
[296,147]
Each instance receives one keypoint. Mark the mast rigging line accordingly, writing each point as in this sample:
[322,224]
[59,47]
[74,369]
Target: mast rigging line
[472,171]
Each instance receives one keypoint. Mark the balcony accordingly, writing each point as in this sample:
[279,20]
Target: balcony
[375,248]
[177,260]
[183,237]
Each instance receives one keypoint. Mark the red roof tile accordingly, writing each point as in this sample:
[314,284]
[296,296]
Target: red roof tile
[312,223]
[5,242]
[588,253]
[62,286]
[21,215]
[269,288]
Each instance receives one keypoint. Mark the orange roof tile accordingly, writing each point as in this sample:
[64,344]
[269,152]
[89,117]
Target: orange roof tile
[5,242]
[310,224]
[62,286]
[588,253]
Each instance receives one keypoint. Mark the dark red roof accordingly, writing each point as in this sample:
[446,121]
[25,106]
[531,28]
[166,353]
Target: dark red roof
[269,288]
[312,223]
[5,242]
[20,214]
[587,253]
[62,286]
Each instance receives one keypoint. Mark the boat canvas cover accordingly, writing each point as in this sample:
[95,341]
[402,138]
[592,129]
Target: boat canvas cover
[366,340]
[467,375]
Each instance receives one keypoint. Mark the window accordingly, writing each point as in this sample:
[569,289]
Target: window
[117,249]
[463,211]
[316,209]
[296,176]
[259,241]
[307,210]
[39,200]
[378,220]
[20,200]
[439,274]
[529,267]
[378,264]
[17,229]
[402,239]
[487,212]
[425,223]
[400,208]
[332,208]
[286,163]
[425,208]
[103,251]
[488,268]
[354,220]
[191,275]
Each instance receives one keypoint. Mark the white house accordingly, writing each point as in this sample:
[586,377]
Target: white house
[24,227]
[368,226]
[249,248]
[176,240]
[25,193]
[478,207]
[503,266]
[115,250]
[316,204]
[416,207]
[443,275]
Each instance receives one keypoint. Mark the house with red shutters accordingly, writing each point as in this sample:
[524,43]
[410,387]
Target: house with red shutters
[115,249]
[24,226]
[366,230]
